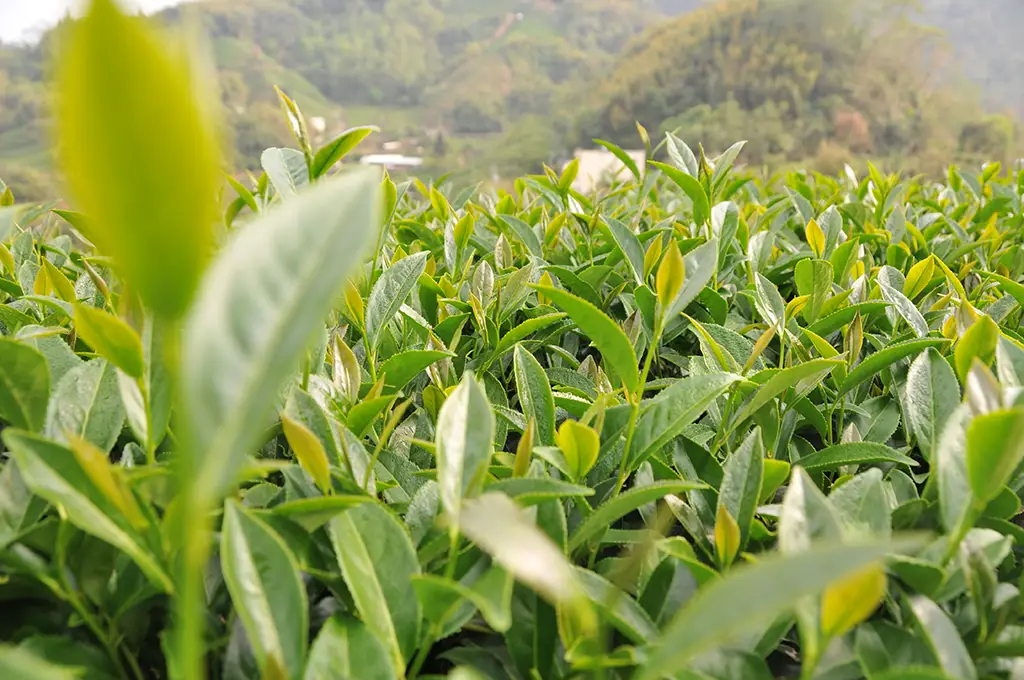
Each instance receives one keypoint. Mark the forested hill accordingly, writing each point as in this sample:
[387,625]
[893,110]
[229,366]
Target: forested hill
[498,86]
[431,71]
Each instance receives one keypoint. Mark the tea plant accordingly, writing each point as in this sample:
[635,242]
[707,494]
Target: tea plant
[695,426]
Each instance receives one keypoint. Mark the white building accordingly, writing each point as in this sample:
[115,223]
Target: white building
[392,161]
[599,167]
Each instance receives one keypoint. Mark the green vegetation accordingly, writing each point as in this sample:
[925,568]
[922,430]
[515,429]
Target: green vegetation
[694,425]
[500,87]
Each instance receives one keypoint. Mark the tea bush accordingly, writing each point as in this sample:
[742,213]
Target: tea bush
[697,425]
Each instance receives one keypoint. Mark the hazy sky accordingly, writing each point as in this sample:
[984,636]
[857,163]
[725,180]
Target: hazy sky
[22,19]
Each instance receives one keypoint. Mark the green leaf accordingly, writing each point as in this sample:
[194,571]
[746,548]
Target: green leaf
[501,529]
[150,194]
[21,664]
[858,453]
[801,378]
[378,563]
[807,519]
[670,412]
[266,589]
[87,402]
[628,617]
[401,368]
[813,278]
[833,322]
[861,503]
[465,442]
[769,302]
[147,401]
[932,394]
[243,338]
[995,449]
[24,385]
[740,490]
[905,307]
[54,473]
[345,650]
[943,639]
[701,263]
[111,338]
[753,595]
[681,155]
[525,330]
[337,149]
[950,461]
[362,415]
[287,171]
[603,333]
[313,513]
[874,363]
[622,156]
[535,398]
[19,509]
[390,293]
[525,233]
[491,593]
[629,245]
[692,188]
[534,490]
[977,342]
[623,504]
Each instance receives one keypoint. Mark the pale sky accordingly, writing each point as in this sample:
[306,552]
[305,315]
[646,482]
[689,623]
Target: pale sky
[23,19]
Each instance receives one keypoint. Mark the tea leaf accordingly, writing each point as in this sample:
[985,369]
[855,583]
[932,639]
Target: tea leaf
[112,339]
[740,491]
[87,403]
[340,147]
[266,589]
[603,333]
[754,594]
[535,398]
[617,507]
[933,393]
[995,448]
[24,385]
[943,639]
[389,293]
[377,561]
[243,338]
[344,649]
[54,473]
[465,440]
[149,195]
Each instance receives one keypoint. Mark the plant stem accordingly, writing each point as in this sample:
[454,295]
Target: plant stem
[635,411]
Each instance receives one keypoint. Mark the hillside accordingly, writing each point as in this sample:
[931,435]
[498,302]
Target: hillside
[497,87]
[448,76]
[806,81]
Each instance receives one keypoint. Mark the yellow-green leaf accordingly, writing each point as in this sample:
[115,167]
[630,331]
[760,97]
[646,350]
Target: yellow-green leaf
[815,238]
[59,283]
[671,274]
[978,341]
[727,536]
[580,445]
[138,154]
[852,600]
[309,451]
[112,339]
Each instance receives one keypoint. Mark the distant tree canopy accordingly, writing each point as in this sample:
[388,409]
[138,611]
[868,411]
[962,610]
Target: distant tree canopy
[790,76]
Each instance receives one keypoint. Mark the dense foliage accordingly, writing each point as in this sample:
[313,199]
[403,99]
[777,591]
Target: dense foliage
[499,87]
[696,425]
